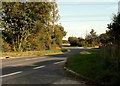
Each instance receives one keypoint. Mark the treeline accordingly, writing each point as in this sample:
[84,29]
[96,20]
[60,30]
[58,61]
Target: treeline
[90,40]
[111,37]
[109,42]
[31,26]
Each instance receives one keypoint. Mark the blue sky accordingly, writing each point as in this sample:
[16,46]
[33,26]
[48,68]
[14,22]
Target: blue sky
[78,17]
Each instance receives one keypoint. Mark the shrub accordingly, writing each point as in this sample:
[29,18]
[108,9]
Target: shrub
[64,50]
[73,41]
[6,46]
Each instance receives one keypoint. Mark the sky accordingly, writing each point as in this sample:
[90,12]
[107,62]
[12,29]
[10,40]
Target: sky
[78,17]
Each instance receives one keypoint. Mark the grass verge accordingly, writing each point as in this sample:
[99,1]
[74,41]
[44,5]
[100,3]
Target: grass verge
[64,50]
[90,64]
[30,53]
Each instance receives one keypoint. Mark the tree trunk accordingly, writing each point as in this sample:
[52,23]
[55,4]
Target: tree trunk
[14,46]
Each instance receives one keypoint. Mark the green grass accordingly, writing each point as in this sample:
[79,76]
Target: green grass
[90,64]
[30,53]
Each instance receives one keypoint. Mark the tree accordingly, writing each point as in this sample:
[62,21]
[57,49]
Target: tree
[59,34]
[93,33]
[29,25]
[113,49]
[91,38]
[73,41]
[16,24]
[81,42]
[54,18]
[54,14]
[104,39]
[19,21]
[114,29]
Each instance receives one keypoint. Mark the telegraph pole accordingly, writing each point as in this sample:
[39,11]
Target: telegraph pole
[119,7]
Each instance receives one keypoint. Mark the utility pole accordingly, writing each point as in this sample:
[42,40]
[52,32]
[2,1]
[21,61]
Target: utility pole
[119,7]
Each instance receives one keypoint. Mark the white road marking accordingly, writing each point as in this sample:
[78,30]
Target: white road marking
[11,74]
[59,62]
[38,67]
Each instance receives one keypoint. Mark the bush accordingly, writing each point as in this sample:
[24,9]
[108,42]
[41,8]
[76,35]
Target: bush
[111,56]
[6,47]
[73,41]
[64,50]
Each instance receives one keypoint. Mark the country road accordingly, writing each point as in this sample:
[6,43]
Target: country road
[37,70]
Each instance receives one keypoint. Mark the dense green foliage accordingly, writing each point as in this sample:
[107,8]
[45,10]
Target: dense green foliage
[111,50]
[31,26]
[104,39]
[110,42]
[114,29]
[73,41]
[90,40]
[91,65]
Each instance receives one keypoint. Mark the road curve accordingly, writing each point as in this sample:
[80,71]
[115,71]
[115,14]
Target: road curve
[37,70]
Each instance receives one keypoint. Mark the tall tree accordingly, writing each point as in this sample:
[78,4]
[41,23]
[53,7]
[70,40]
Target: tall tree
[54,14]
[114,29]
[59,34]
[31,25]
[91,38]
[19,21]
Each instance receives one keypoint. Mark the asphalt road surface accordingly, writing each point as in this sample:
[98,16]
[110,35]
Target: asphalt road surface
[45,70]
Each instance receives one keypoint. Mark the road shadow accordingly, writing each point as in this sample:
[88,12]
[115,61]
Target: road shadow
[11,69]
[66,54]
[47,75]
